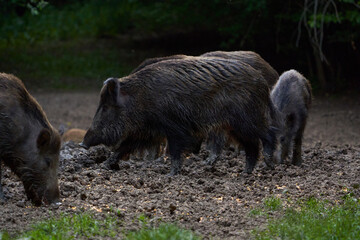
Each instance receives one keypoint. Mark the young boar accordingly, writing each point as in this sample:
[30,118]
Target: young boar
[183,99]
[292,97]
[29,145]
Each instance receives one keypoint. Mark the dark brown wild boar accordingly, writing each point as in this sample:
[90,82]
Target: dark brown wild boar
[215,142]
[181,100]
[29,145]
[292,97]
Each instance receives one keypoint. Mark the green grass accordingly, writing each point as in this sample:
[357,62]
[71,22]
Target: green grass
[314,219]
[73,227]
[89,226]
[272,203]
[163,232]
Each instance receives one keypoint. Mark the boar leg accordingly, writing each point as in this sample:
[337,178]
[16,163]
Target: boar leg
[2,196]
[251,145]
[197,145]
[252,154]
[287,138]
[176,148]
[152,153]
[113,161]
[269,145]
[154,150]
[215,144]
[297,160]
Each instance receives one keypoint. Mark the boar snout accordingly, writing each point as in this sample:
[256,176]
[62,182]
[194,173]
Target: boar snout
[51,196]
[90,139]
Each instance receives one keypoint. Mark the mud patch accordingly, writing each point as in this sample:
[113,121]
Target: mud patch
[213,201]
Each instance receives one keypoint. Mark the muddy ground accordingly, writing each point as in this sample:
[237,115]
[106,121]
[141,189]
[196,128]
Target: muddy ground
[214,202]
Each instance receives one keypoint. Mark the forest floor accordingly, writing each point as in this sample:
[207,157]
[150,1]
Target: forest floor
[213,201]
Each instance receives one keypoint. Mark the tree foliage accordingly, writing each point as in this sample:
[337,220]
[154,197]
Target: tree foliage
[314,36]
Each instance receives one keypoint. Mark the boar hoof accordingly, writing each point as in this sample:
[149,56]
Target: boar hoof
[110,165]
[211,160]
[2,199]
[248,169]
[174,172]
[297,161]
[269,162]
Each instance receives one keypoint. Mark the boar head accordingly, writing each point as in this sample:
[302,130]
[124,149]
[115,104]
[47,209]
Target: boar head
[110,121]
[38,170]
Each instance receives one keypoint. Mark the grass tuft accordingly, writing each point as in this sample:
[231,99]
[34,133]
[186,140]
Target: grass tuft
[315,219]
[272,203]
[88,226]
[73,227]
[163,232]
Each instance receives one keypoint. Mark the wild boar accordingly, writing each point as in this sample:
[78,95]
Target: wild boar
[292,96]
[29,145]
[181,100]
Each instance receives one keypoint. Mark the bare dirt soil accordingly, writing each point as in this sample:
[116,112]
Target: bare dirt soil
[213,201]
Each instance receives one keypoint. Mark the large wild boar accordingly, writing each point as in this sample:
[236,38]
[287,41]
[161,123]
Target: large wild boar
[216,141]
[292,97]
[29,145]
[182,99]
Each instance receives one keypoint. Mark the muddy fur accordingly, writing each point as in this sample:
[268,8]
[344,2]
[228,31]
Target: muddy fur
[29,145]
[181,100]
[292,96]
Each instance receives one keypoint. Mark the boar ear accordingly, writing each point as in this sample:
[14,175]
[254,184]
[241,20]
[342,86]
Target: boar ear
[43,138]
[114,90]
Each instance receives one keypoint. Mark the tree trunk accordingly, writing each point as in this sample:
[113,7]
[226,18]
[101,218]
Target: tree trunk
[320,71]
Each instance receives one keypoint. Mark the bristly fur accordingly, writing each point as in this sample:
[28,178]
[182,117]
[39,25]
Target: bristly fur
[216,142]
[251,58]
[184,98]
[22,148]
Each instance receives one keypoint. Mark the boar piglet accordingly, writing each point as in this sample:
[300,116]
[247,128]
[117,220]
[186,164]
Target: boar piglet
[292,97]
[182,100]
[29,145]
[75,135]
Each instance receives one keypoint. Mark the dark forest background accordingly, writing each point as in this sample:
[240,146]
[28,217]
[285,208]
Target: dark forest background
[68,44]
